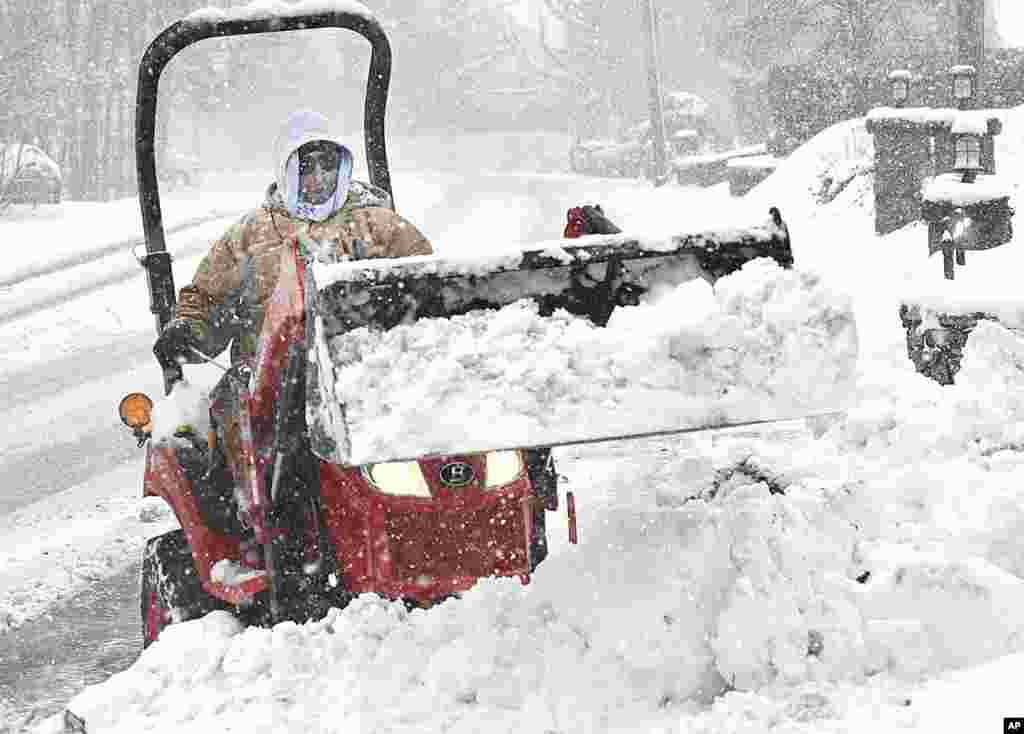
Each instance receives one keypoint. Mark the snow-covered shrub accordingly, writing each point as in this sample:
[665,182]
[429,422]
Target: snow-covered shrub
[838,175]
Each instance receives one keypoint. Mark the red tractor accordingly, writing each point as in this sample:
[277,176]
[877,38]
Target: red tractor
[314,533]
[295,530]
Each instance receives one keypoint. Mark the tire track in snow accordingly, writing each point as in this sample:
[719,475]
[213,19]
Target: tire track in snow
[27,296]
[93,254]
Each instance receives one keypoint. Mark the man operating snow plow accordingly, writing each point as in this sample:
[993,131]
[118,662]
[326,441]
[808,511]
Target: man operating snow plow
[394,416]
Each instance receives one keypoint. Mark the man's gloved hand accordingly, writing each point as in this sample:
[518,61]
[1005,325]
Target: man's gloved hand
[176,342]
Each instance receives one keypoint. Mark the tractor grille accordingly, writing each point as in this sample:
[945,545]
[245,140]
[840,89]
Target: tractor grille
[446,543]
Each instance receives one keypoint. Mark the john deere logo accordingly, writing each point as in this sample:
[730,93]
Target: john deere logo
[457,474]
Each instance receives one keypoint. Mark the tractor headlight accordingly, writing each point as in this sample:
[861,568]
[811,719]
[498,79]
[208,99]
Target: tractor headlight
[400,478]
[503,467]
[405,478]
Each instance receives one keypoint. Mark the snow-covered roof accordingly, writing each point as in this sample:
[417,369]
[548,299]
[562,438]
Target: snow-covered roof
[725,155]
[758,162]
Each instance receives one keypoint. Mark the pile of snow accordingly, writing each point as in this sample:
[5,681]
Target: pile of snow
[816,173]
[656,608]
[765,343]
[949,458]
[982,412]
[782,579]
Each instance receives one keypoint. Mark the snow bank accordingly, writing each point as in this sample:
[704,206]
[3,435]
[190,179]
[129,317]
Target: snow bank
[767,343]
[976,699]
[929,610]
[805,568]
[817,171]
[756,586]
[981,413]
[644,616]
[946,462]
[990,396]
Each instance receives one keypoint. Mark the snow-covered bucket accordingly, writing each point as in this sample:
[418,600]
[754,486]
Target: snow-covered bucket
[764,343]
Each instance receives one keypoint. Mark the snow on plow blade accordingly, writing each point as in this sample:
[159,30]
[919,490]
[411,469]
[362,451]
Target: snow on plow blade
[590,339]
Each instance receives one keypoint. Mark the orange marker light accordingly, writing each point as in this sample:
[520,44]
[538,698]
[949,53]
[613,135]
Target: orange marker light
[136,410]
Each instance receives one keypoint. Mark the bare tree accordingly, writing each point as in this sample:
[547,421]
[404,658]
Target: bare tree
[68,76]
[851,36]
[600,66]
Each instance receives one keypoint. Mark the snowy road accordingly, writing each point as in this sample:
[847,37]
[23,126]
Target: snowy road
[55,425]
[78,339]
[79,643]
[74,338]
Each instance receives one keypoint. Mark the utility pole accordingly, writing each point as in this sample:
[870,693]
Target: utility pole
[657,114]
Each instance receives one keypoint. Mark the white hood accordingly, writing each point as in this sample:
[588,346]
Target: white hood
[300,128]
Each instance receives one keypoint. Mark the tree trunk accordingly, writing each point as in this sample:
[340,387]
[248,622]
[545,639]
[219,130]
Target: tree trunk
[75,100]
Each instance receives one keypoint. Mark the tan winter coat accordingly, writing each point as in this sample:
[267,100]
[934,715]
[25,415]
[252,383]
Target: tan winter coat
[233,284]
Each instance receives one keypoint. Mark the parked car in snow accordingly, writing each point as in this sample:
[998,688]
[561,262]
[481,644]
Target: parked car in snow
[28,175]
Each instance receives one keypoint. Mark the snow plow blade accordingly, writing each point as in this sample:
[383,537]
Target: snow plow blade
[575,342]
[588,279]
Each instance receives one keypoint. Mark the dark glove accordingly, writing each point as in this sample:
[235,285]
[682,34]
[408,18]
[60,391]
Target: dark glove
[176,342]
